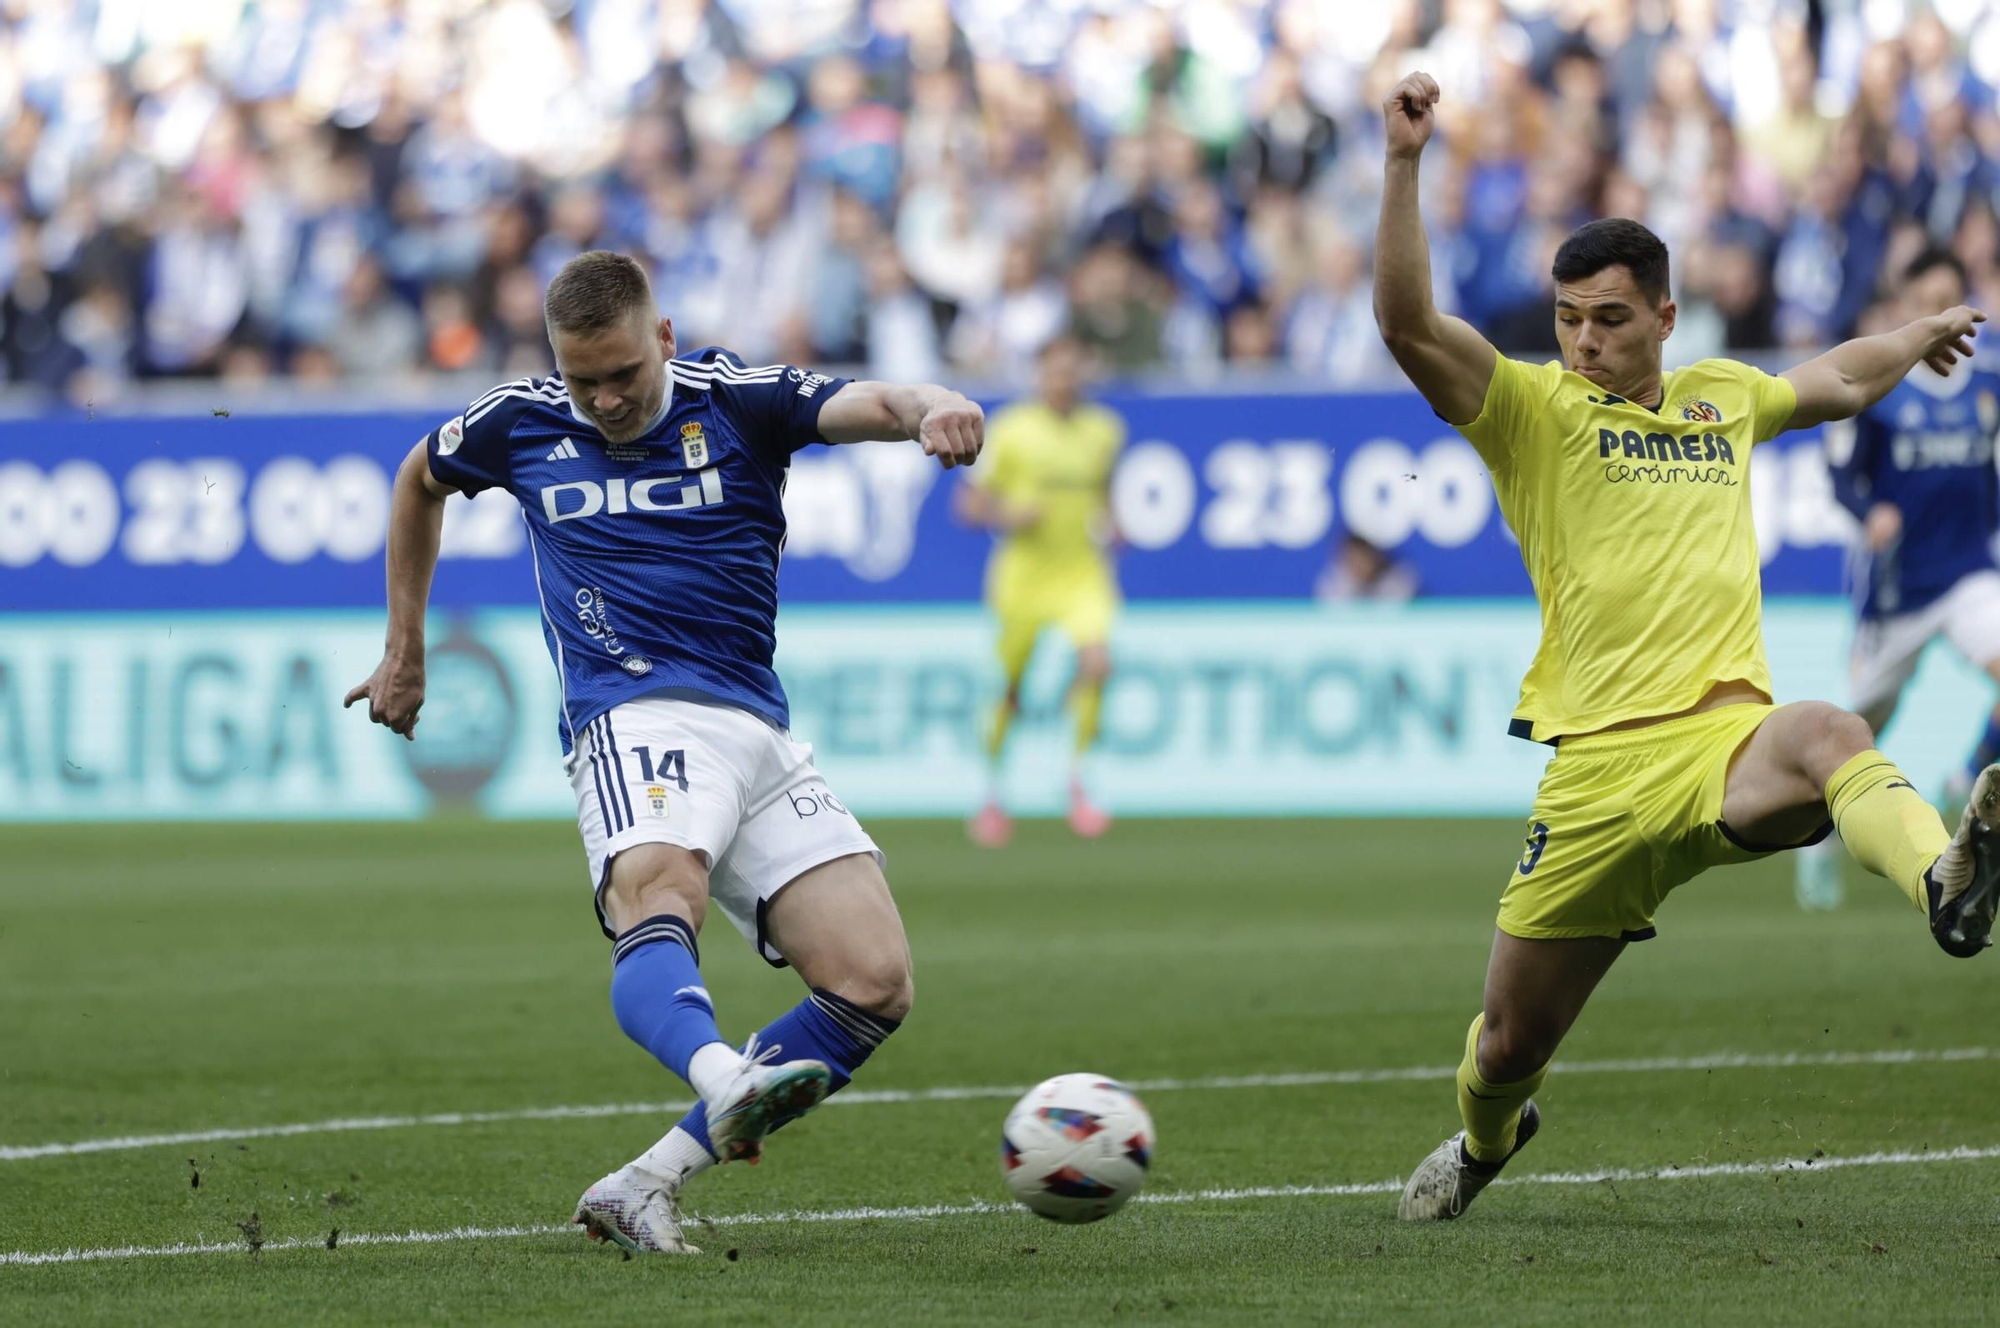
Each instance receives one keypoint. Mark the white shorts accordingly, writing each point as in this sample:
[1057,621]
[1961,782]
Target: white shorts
[1886,650]
[717,780]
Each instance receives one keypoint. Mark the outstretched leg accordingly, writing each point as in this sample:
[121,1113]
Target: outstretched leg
[1535,989]
[655,900]
[838,927]
[1819,870]
[1811,760]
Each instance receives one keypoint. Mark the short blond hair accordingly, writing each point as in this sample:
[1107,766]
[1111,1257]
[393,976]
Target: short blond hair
[594,291]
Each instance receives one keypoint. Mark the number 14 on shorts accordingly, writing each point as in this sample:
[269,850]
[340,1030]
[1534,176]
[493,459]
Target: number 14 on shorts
[672,769]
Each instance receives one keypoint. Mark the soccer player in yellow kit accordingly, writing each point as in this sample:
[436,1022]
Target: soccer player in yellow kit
[1629,491]
[1044,487]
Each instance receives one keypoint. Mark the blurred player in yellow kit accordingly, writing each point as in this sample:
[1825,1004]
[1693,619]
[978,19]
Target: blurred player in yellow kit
[1044,487]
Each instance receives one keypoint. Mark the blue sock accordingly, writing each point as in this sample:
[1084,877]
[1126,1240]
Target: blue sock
[1988,750]
[822,1027]
[656,991]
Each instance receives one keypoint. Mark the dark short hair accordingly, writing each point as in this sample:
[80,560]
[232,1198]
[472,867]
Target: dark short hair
[1615,242]
[594,291]
[1931,258]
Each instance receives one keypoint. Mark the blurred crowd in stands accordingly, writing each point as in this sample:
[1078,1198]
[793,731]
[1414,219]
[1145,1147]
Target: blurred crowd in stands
[379,189]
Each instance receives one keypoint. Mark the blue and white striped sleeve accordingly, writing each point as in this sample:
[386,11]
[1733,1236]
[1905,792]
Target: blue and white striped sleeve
[778,404]
[471,452]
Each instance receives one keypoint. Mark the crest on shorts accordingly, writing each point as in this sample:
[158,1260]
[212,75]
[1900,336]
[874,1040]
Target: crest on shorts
[657,796]
[1696,410]
[694,447]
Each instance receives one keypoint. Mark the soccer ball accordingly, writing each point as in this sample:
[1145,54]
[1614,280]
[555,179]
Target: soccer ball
[1076,1148]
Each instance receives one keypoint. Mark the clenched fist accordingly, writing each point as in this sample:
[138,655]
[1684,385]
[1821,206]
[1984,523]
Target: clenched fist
[953,430]
[1408,116]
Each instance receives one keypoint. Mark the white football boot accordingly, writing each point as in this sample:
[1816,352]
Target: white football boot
[1445,1183]
[759,1097]
[1964,882]
[634,1211]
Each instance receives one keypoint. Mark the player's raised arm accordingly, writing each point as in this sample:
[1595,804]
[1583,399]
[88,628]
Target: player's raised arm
[1446,358]
[1856,374]
[951,427]
[395,690]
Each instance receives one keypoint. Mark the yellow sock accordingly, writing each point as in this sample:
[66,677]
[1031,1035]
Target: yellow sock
[1087,700]
[1490,1111]
[1885,824]
[996,735]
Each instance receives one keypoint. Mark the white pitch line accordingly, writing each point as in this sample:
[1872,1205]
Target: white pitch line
[338,1125]
[861,1097]
[926,1212]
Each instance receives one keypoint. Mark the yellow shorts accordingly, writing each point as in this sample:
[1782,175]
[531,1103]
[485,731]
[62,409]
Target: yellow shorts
[1621,819]
[1082,607]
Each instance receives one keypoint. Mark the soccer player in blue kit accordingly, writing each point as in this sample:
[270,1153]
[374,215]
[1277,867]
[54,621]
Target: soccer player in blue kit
[651,485]
[1917,471]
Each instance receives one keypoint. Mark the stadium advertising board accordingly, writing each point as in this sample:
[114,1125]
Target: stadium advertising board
[1216,710]
[1217,497]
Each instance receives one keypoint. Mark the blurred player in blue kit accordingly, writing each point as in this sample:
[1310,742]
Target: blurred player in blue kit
[1917,471]
[651,486]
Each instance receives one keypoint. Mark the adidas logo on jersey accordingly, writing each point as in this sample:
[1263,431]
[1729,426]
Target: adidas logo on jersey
[564,451]
[618,495]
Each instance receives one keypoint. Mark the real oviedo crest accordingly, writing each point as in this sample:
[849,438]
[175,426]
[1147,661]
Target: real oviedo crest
[694,446]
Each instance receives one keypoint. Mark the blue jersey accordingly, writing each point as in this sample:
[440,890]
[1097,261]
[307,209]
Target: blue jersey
[656,561]
[1927,447]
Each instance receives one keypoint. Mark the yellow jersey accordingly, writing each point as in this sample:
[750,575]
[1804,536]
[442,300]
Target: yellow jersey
[1636,529]
[1060,466]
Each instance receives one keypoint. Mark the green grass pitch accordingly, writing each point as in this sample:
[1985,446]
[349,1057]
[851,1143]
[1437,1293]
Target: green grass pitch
[168,980]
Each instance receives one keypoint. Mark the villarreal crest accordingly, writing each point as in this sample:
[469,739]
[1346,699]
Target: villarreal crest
[694,446]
